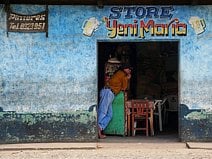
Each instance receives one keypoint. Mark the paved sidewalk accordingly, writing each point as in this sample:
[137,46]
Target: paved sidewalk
[111,148]
[112,142]
[47,146]
[199,145]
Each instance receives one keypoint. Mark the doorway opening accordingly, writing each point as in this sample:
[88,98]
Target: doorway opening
[154,76]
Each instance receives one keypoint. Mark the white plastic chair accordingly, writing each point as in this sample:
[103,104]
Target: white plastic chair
[159,106]
[172,106]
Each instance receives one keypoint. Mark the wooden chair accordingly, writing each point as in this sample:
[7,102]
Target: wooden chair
[140,111]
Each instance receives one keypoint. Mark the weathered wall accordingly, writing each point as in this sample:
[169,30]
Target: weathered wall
[47,85]
[196,79]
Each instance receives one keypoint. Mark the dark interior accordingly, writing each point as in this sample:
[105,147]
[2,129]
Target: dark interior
[155,70]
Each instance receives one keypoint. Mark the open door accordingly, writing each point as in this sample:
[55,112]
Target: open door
[155,73]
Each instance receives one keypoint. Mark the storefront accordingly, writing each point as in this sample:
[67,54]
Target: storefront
[52,66]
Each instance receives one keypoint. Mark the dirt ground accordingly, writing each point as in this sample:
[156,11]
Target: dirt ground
[118,148]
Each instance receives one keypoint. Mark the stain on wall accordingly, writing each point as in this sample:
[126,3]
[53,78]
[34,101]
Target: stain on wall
[196,124]
[47,127]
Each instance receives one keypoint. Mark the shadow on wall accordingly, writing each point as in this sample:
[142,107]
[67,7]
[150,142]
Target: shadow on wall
[92,108]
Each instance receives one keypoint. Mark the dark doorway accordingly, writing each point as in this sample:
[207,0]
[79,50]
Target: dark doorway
[155,71]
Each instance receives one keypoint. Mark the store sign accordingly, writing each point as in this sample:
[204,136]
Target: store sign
[140,27]
[27,23]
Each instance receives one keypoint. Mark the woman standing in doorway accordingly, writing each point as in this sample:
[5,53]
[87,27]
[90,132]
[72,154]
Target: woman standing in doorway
[118,82]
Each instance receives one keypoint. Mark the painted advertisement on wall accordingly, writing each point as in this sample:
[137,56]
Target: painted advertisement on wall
[140,20]
[143,22]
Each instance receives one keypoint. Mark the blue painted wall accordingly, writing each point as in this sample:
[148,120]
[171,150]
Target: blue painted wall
[55,78]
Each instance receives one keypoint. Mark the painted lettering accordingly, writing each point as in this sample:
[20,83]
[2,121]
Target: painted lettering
[27,26]
[115,13]
[166,12]
[129,12]
[140,29]
[16,17]
[140,12]
[152,12]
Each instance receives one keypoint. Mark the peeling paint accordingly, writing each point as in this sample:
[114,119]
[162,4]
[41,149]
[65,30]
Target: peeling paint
[196,115]
[46,127]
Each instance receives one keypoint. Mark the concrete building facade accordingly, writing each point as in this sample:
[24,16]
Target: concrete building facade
[49,80]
